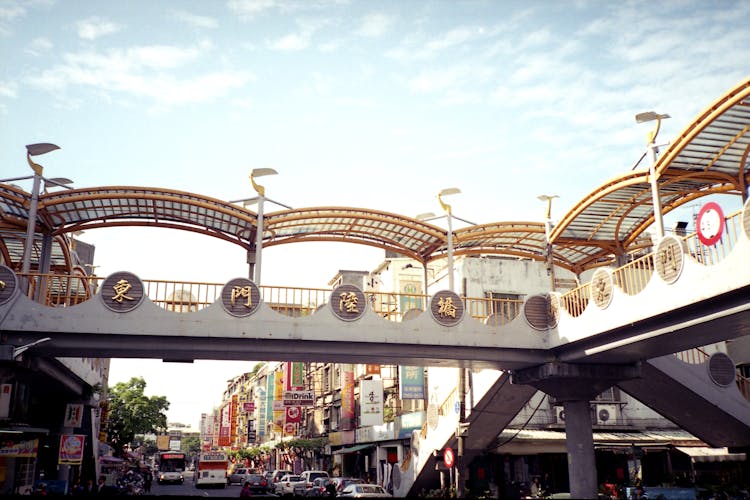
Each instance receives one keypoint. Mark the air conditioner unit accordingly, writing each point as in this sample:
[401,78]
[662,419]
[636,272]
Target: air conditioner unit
[606,414]
[559,415]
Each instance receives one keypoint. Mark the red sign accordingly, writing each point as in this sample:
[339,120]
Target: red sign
[448,458]
[710,223]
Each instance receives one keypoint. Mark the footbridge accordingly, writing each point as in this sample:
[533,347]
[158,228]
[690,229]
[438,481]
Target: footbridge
[644,298]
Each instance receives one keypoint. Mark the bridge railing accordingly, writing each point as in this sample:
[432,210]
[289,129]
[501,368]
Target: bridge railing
[633,277]
[698,356]
[62,290]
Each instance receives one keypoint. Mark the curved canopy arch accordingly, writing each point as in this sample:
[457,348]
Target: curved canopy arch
[709,157]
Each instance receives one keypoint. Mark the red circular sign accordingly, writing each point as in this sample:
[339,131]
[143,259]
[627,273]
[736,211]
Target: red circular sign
[710,223]
[448,458]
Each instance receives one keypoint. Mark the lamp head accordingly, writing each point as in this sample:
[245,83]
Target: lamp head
[447,191]
[425,216]
[649,116]
[40,149]
[260,172]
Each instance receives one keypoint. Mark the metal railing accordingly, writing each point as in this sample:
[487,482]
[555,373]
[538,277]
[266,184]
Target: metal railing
[59,290]
[633,277]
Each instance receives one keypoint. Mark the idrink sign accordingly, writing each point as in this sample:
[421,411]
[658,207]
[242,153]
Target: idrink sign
[299,398]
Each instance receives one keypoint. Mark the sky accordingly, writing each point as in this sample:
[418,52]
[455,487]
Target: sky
[377,105]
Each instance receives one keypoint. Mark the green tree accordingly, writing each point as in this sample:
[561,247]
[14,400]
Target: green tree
[131,412]
[190,444]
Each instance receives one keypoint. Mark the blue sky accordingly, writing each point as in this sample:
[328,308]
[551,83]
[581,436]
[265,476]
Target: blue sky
[355,103]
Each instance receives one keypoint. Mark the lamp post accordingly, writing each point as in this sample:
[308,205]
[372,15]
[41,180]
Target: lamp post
[449,216]
[649,116]
[461,382]
[260,172]
[547,231]
[33,150]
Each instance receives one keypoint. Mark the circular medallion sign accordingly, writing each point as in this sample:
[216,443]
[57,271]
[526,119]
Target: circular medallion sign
[432,416]
[8,284]
[746,218]
[669,259]
[240,297]
[601,288]
[348,302]
[447,308]
[122,292]
[710,223]
[448,457]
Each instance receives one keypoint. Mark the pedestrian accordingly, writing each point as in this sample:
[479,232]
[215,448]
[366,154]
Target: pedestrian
[245,491]
[331,489]
[148,478]
[535,489]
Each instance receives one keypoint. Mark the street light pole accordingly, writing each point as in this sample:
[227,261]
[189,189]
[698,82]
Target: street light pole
[651,149]
[547,232]
[461,382]
[259,172]
[33,150]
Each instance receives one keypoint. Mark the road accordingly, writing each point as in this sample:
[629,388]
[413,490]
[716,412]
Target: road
[188,489]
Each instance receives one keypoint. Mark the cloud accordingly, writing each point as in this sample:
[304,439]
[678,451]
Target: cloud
[95,27]
[8,89]
[142,72]
[195,20]
[374,25]
[249,9]
[292,41]
[39,46]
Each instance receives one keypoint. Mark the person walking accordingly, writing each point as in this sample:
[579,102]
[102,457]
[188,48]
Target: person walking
[245,491]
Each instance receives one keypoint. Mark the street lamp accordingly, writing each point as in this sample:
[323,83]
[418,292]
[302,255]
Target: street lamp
[259,172]
[547,231]
[33,150]
[449,215]
[649,116]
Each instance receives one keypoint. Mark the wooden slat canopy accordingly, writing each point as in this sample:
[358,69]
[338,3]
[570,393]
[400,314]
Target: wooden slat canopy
[710,156]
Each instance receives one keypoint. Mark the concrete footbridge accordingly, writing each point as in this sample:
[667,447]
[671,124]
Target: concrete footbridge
[638,296]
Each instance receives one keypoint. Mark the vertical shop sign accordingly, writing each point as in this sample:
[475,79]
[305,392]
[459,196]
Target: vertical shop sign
[371,402]
[411,382]
[347,398]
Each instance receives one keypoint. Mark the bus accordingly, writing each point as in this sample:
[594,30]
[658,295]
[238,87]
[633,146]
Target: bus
[211,469]
[171,467]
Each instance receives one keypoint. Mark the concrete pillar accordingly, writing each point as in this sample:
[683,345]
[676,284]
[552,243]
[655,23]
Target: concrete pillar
[579,442]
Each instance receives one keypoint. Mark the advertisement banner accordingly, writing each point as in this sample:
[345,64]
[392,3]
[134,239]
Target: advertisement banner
[299,398]
[347,422]
[294,376]
[278,395]
[71,449]
[224,426]
[372,369]
[411,382]
[24,449]
[371,402]
[293,415]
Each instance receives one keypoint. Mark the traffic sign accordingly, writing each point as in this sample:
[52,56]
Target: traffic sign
[710,223]
[448,458]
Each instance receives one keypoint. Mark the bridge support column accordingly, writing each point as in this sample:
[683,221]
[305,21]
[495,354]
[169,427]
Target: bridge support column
[575,386]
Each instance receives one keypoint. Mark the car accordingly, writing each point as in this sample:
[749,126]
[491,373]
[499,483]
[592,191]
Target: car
[276,475]
[258,484]
[287,483]
[364,491]
[318,488]
[343,482]
[239,475]
[307,478]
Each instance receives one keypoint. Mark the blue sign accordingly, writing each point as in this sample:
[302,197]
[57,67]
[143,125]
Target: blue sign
[411,382]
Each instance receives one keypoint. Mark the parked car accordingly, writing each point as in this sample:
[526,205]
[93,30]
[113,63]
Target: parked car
[343,482]
[318,488]
[307,478]
[286,484]
[239,475]
[276,475]
[364,491]
[258,484]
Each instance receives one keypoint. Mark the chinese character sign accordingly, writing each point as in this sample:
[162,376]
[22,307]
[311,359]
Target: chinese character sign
[371,402]
[73,415]
[347,398]
[411,382]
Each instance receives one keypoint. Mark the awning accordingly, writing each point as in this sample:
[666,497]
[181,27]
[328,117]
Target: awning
[706,454]
[352,449]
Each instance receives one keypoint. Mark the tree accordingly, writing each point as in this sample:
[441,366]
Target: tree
[131,412]
[190,444]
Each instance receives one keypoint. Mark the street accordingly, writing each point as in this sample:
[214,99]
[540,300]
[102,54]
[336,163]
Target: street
[188,489]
